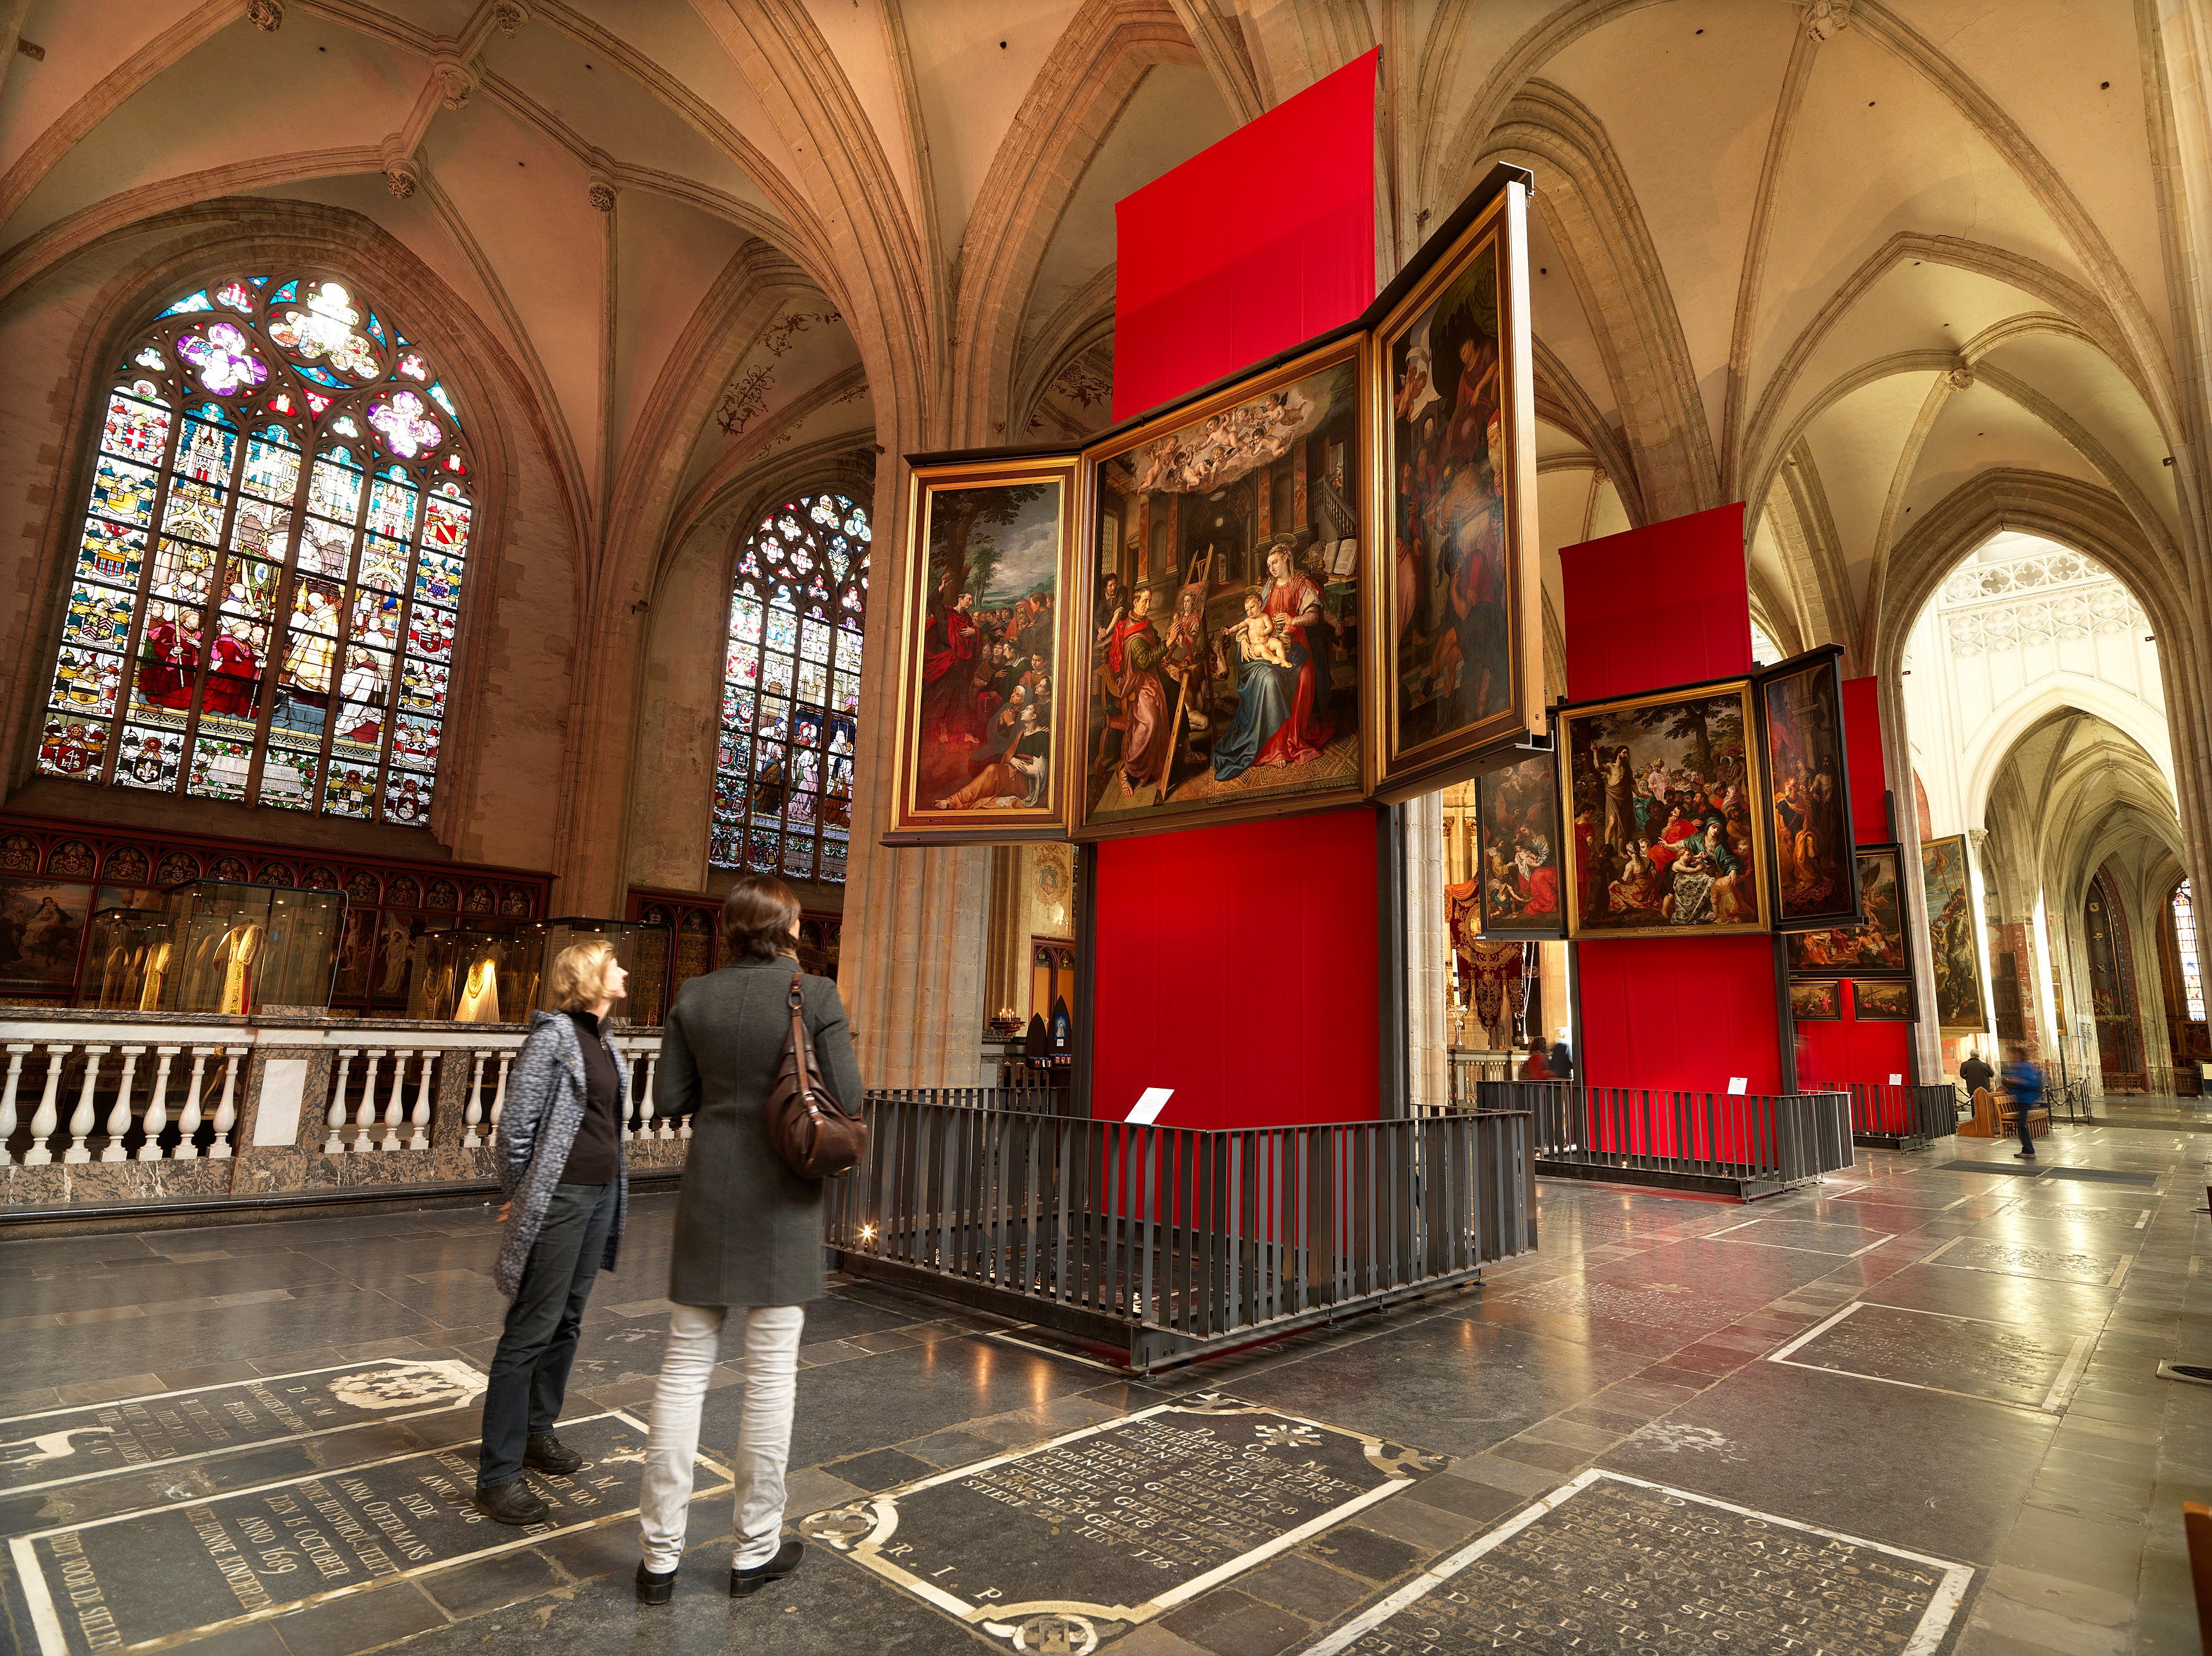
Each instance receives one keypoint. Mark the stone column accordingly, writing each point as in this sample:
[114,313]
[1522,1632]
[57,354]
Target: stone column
[1005,946]
[1427,938]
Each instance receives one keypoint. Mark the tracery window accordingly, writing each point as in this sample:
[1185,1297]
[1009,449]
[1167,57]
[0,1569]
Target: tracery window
[263,603]
[2185,934]
[1765,651]
[791,691]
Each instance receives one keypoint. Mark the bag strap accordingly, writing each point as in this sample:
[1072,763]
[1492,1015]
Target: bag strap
[801,1047]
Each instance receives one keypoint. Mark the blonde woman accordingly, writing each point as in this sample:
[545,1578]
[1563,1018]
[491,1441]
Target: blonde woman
[560,1148]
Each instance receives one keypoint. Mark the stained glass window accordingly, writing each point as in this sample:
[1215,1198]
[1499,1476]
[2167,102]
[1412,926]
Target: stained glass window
[274,545]
[791,690]
[2185,933]
[1765,651]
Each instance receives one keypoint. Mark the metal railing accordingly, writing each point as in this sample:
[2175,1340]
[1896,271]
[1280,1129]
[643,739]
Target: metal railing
[1910,1117]
[1027,1101]
[1757,1142]
[1470,1070]
[1161,1243]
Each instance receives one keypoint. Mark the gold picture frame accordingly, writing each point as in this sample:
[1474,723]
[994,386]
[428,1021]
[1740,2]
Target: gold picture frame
[1954,923]
[1458,583]
[985,698]
[1235,728]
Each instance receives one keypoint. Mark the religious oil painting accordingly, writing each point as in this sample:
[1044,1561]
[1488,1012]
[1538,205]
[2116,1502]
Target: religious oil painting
[1223,617]
[1667,838]
[982,689]
[1808,789]
[1877,947]
[1819,1001]
[1961,1008]
[1517,849]
[1461,659]
[42,925]
[1882,1001]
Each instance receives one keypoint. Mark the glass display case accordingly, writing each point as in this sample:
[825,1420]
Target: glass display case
[468,976]
[537,945]
[129,960]
[234,949]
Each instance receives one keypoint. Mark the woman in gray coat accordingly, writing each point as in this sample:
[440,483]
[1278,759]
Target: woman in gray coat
[748,1230]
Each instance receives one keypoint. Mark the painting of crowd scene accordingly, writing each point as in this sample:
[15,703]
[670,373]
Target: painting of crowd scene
[1952,953]
[981,657]
[1452,597]
[1223,645]
[1516,816]
[1809,792]
[1875,948]
[1666,839]
[1879,1001]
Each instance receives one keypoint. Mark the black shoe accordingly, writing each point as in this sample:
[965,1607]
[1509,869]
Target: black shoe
[653,1589]
[550,1455]
[2023,1155]
[512,1503]
[742,1582]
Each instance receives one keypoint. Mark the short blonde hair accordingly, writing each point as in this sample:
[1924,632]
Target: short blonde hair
[579,973]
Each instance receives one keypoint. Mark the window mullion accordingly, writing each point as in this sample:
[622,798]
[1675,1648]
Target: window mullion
[164,471]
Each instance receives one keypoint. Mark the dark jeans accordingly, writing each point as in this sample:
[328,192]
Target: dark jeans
[2021,1108]
[530,1370]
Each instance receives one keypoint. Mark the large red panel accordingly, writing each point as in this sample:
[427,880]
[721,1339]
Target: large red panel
[1237,966]
[1264,239]
[1686,1012]
[1841,1054]
[1869,778]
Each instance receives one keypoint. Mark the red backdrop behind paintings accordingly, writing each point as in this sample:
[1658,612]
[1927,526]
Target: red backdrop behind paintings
[1237,965]
[1262,241]
[1669,604]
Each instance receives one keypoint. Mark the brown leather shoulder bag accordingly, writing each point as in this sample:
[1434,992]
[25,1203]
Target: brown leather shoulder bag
[814,1138]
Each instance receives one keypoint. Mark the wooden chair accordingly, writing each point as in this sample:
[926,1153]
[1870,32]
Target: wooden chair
[2197,1525]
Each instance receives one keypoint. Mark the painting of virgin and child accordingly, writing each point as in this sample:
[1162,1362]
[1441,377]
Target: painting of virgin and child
[1516,813]
[977,756]
[1224,635]
[1667,839]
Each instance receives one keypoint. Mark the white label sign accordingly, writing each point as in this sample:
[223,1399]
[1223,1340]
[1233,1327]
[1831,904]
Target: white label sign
[1897,1081]
[283,1084]
[1149,1106]
[1738,1085]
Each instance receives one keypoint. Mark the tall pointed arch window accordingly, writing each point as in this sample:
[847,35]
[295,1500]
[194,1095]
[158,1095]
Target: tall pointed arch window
[2185,937]
[791,691]
[266,584]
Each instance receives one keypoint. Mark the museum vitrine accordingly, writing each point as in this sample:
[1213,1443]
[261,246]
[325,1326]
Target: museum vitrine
[234,949]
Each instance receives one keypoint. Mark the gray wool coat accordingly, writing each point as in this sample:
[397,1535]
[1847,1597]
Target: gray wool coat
[748,1229]
[536,1128]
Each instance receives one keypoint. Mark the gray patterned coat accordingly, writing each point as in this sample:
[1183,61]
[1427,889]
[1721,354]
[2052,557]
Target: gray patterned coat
[537,1126]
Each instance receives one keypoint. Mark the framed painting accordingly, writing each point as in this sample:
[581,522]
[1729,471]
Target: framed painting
[1882,1000]
[983,698]
[42,927]
[1876,947]
[1954,930]
[1516,848]
[1459,655]
[1820,1000]
[1222,625]
[1808,789]
[1667,840]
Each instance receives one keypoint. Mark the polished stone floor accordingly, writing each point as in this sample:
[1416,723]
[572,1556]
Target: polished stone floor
[1931,1374]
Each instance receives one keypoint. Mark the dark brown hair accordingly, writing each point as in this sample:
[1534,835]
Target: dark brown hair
[757,916]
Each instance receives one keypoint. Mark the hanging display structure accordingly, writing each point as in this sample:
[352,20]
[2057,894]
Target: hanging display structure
[1813,873]
[1879,947]
[1516,850]
[985,699]
[1947,877]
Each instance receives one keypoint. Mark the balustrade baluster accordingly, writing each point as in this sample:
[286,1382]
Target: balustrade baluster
[188,1120]
[669,1129]
[119,1113]
[81,1119]
[225,1108]
[47,1116]
[365,1117]
[335,1117]
[419,1120]
[8,1103]
[472,1116]
[633,1121]
[395,1102]
[157,1106]
[499,1094]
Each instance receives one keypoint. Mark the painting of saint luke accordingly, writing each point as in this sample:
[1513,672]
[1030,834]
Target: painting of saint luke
[1224,632]
[1851,951]
[1517,816]
[1809,793]
[978,759]
[1960,1005]
[1817,1002]
[1667,840]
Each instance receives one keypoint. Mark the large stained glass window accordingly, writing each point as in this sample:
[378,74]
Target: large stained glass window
[263,601]
[2185,935]
[791,689]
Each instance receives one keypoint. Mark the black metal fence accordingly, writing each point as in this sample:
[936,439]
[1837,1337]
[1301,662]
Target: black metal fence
[1161,1243]
[1902,1118]
[1039,1100]
[1470,1070]
[1736,1144]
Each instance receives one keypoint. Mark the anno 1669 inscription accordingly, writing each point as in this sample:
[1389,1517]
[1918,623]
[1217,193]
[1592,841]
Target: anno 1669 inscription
[1092,1532]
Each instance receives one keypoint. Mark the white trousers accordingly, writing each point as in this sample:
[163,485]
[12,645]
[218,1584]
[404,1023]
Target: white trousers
[771,1370]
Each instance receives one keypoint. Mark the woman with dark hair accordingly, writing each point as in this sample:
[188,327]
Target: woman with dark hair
[748,1230]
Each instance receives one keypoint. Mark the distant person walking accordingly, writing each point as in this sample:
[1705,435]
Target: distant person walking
[2023,1085]
[1561,1058]
[748,1231]
[1976,1073]
[1534,1068]
[561,1166]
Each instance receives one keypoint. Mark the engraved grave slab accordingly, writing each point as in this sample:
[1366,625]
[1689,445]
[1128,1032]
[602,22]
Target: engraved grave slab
[67,1445]
[1667,1306]
[1073,1541]
[184,1571]
[2019,1259]
[1610,1565]
[2123,1218]
[1805,1237]
[1936,1351]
